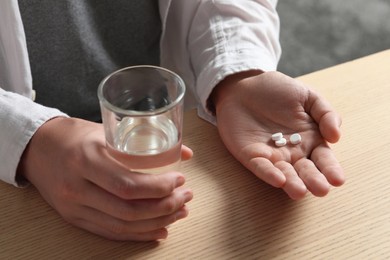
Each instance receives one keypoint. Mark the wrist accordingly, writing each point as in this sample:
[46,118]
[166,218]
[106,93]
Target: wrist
[30,151]
[227,87]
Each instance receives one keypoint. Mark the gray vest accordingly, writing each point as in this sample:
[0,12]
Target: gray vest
[74,44]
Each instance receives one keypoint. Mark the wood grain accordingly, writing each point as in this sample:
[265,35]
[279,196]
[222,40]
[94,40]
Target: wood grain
[236,216]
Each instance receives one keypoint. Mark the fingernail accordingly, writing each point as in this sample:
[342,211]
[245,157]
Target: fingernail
[182,213]
[188,195]
[180,180]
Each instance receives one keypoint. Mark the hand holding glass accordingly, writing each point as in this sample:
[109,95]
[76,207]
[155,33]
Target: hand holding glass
[142,113]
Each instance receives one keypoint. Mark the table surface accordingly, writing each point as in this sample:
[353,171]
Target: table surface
[233,214]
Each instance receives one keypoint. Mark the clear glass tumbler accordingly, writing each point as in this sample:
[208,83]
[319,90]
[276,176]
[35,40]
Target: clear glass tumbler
[142,113]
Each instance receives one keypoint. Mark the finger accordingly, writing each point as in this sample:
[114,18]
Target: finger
[314,180]
[326,162]
[326,117]
[266,171]
[186,153]
[294,186]
[118,180]
[131,210]
[123,230]
[103,170]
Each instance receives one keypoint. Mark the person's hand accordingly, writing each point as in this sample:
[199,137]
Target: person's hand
[67,161]
[251,106]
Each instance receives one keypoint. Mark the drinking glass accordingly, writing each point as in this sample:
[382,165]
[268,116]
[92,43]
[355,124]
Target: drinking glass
[142,114]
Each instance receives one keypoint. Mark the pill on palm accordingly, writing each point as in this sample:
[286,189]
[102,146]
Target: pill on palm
[295,138]
[277,136]
[281,142]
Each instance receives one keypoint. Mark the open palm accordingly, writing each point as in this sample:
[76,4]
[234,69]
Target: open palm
[250,109]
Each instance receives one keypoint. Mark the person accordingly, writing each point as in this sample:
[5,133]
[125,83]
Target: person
[227,53]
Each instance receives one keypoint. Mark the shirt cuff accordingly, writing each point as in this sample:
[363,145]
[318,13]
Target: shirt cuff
[219,69]
[20,118]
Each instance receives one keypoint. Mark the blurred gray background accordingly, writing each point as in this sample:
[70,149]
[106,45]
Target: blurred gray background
[316,34]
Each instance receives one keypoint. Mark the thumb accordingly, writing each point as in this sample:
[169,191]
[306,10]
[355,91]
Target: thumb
[326,117]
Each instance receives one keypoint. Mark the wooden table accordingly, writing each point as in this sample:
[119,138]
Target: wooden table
[236,216]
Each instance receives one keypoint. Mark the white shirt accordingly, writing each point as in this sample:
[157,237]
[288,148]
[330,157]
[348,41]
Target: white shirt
[203,41]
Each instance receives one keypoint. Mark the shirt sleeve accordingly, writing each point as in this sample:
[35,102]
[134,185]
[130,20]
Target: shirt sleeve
[20,117]
[205,41]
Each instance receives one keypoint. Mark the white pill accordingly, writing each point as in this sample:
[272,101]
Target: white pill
[277,136]
[281,142]
[295,138]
